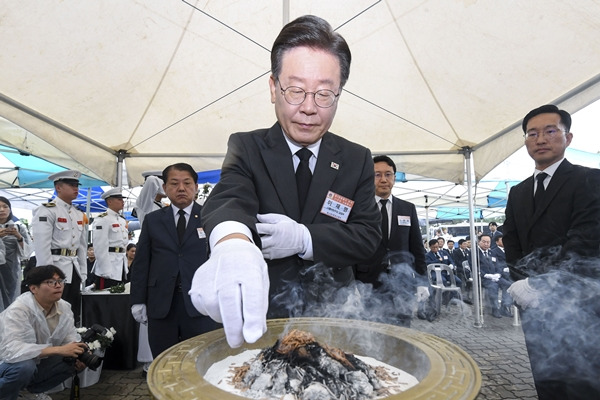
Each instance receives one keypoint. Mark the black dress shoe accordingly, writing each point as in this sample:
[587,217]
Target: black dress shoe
[496,313]
[468,301]
[506,311]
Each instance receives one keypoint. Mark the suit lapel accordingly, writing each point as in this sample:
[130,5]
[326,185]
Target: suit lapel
[328,164]
[193,222]
[279,166]
[556,183]
[169,223]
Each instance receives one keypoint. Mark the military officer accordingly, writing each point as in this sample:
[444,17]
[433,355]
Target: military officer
[110,238]
[60,236]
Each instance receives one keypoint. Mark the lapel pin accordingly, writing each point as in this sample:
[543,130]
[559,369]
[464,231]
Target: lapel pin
[335,165]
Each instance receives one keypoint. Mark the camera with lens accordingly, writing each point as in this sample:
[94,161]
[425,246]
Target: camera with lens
[91,360]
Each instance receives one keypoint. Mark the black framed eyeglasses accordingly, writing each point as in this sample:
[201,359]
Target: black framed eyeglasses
[295,95]
[549,132]
[55,282]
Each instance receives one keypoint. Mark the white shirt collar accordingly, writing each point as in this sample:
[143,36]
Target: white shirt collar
[551,170]
[188,210]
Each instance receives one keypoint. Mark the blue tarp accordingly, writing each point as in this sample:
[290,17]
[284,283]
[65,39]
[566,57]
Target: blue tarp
[32,172]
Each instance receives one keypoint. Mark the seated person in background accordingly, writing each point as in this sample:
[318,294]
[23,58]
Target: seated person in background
[91,259]
[435,255]
[494,276]
[461,254]
[498,252]
[450,245]
[37,332]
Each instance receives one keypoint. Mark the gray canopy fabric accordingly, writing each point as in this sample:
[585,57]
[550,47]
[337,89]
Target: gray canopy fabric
[159,81]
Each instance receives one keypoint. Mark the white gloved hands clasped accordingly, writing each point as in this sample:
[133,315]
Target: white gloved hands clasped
[232,287]
[281,236]
[422,293]
[493,277]
[524,295]
[139,313]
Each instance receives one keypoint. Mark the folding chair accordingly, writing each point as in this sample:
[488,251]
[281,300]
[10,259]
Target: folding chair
[434,274]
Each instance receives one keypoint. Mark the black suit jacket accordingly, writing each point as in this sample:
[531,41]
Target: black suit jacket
[569,217]
[405,244]
[159,258]
[258,177]
[458,257]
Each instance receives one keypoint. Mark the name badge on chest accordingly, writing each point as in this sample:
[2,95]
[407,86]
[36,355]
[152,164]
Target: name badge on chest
[337,206]
[403,220]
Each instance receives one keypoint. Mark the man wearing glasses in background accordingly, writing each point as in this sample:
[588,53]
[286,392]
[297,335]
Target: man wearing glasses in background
[294,194]
[38,340]
[552,249]
[398,268]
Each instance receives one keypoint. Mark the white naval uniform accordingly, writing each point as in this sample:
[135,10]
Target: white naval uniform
[110,231]
[57,225]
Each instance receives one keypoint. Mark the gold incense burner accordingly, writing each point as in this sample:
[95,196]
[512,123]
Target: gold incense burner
[443,369]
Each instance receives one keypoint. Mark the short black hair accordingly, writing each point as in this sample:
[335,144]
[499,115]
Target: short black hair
[461,241]
[482,235]
[497,237]
[386,160]
[130,245]
[565,117]
[432,242]
[5,201]
[37,275]
[180,167]
[492,223]
[315,33]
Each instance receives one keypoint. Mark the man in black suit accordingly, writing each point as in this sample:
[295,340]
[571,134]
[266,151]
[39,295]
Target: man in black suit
[494,233]
[401,247]
[461,254]
[172,245]
[552,249]
[294,194]
[493,278]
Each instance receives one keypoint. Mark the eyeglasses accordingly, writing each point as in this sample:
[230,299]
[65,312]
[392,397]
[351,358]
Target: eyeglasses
[549,132]
[388,175]
[295,95]
[55,282]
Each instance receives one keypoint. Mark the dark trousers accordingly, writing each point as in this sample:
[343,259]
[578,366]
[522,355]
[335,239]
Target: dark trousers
[177,326]
[564,367]
[72,294]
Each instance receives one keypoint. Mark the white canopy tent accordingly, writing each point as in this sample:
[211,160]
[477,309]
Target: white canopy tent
[437,85]
[158,81]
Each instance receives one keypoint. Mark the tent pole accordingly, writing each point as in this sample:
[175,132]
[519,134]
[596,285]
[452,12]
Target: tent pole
[467,151]
[427,217]
[286,11]
[121,154]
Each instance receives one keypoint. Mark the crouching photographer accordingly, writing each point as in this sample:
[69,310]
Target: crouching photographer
[37,334]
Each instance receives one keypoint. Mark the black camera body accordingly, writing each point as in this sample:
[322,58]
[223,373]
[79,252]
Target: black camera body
[91,360]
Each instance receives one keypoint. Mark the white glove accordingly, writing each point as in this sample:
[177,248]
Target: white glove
[281,236]
[506,270]
[89,288]
[496,277]
[422,293]
[523,294]
[451,266]
[139,313]
[488,276]
[232,287]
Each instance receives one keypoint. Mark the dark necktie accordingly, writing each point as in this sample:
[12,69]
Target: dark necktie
[181,225]
[539,191]
[384,222]
[303,175]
